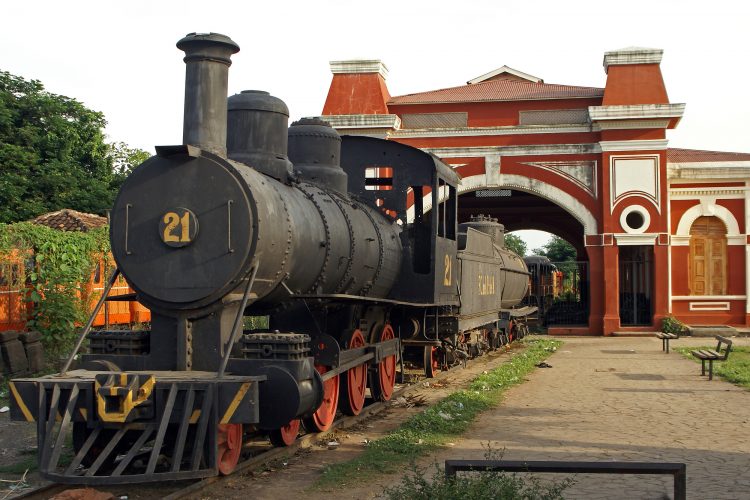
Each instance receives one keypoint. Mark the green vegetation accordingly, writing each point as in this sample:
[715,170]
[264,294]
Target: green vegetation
[735,369]
[53,154]
[670,324]
[52,268]
[558,250]
[515,244]
[474,486]
[438,424]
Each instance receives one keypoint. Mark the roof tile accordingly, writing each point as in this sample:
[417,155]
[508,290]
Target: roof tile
[498,90]
[70,220]
[676,155]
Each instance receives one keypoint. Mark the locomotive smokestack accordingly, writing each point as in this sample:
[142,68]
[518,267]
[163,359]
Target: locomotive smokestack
[207,60]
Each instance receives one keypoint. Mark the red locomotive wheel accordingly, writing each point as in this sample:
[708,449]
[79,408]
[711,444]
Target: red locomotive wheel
[431,360]
[354,382]
[323,417]
[285,436]
[384,379]
[229,447]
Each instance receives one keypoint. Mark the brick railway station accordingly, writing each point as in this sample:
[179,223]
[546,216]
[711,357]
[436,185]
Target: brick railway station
[590,165]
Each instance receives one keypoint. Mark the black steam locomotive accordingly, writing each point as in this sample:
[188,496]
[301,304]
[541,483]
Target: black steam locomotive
[350,246]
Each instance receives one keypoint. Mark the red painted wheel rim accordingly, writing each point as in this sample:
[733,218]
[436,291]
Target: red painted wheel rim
[229,447]
[387,367]
[356,377]
[434,359]
[289,432]
[326,412]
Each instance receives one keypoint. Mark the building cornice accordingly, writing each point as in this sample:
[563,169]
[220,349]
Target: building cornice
[709,170]
[530,150]
[362,121]
[644,145]
[632,55]
[636,111]
[629,124]
[359,66]
[485,131]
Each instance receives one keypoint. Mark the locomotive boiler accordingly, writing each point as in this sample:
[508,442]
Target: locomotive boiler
[350,247]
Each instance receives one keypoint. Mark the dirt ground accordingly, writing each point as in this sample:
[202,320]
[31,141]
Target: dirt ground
[298,471]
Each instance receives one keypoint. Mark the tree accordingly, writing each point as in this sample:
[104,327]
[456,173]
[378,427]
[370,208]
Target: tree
[558,250]
[52,153]
[515,244]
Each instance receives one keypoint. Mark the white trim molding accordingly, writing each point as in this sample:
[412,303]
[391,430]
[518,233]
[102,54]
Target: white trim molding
[643,213]
[511,181]
[624,239]
[644,145]
[529,150]
[632,55]
[359,66]
[362,121]
[505,69]
[708,208]
[709,306]
[629,124]
[634,176]
[407,133]
[709,170]
[709,297]
[636,111]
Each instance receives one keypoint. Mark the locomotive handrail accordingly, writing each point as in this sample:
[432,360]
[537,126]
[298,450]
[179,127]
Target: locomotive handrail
[90,322]
[237,320]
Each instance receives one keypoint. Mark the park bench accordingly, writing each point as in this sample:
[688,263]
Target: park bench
[665,338]
[713,355]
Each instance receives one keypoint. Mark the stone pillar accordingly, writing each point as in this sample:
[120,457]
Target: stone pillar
[611,290]
[661,284]
[596,283]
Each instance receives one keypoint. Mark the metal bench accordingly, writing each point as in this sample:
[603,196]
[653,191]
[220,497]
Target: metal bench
[665,338]
[709,355]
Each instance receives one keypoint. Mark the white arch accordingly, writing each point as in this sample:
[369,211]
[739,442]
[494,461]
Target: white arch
[542,189]
[708,209]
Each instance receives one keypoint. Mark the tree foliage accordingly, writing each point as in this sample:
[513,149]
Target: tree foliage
[53,154]
[515,244]
[558,250]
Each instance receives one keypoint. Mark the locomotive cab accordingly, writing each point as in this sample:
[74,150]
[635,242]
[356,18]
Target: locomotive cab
[405,184]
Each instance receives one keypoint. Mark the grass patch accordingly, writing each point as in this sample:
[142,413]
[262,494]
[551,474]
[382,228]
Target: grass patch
[435,426]
[477,485]
[27,463]
[736,369]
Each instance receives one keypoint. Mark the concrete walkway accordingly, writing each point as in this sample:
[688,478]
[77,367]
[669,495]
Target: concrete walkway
[624,399]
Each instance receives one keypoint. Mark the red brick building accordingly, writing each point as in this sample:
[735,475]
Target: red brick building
[660,230]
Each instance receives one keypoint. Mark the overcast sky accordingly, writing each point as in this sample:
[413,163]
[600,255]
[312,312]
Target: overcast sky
[120,57]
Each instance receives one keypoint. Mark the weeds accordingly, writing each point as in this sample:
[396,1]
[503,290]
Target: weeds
[436,425]
[480,485]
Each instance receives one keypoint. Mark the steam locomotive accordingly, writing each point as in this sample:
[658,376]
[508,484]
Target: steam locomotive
[351,247]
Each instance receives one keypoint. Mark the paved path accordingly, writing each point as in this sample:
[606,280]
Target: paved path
[624,399]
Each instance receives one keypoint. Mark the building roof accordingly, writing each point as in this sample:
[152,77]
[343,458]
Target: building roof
[676,155]
[499,90]
[70,220]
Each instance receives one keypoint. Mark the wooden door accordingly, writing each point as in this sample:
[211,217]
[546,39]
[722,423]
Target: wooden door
[708,257]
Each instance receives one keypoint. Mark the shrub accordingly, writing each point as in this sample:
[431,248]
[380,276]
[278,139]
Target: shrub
[670,324]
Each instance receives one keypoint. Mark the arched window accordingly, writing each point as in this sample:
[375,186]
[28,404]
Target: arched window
[708,257]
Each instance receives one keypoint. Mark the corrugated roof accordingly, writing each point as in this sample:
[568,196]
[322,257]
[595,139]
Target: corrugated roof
[70,220]
[676,155]
[498,90]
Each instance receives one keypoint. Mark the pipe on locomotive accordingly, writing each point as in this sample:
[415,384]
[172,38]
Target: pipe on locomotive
[207,60]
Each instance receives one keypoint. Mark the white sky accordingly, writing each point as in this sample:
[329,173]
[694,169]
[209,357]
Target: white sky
[120,57]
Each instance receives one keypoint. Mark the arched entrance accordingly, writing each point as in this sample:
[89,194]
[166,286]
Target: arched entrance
[708,256]
[566,301]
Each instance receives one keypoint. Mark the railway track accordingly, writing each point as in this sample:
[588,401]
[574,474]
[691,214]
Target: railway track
[259,455]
